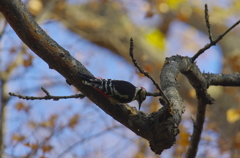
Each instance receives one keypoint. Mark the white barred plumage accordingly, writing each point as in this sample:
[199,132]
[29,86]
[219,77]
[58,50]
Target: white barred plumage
[117,91]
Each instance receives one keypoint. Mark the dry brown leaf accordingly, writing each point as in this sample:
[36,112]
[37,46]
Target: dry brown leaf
[32,146]
[28,62]
[49,123]
[46,148]
[73,121]
[18,137]
[20,106]
[148,68]
[235,63]
[182,141]
[237,141]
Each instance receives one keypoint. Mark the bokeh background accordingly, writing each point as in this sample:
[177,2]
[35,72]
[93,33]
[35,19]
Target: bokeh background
[97,33]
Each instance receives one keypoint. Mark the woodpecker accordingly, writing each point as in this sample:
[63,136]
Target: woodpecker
[117,91]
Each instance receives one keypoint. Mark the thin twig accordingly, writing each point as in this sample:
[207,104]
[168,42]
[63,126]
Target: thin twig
[208,23]
[144,72]
[47,97]
[201,51]
[45,91]
[153,94]
[84,139]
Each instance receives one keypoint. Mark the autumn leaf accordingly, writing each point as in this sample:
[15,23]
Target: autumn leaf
[50,122]
[73,121]
[35,6]
[46,148]
[32,146]
[182,141]
[12,50]
[156,38]
[28,62]
[149,14]
[20,106]
[148,68]
[237,140]
[235,62]
[233,115]
[32,124]
[18,137]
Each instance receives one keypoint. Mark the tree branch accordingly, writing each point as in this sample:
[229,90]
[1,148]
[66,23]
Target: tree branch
[201,51]
[197,130]
[200,84]
[60,60]
[47,97]
[208,23]
[222,79]
[146,74]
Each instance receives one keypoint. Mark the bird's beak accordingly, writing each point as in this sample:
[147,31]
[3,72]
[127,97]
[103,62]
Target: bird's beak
[140,103]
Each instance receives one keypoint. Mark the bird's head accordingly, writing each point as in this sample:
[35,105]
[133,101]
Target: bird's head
[141,95]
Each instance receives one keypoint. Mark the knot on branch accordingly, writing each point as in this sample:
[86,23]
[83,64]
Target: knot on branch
[164,130]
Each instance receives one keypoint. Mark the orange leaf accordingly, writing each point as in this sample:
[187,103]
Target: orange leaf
[50,122]
[12,50]
[20,106]
[28,62]
[18,137]
[149,14]
[235,62]
[182,141]
[73,121]
[47,148]
[237,140]
[148,68]
[32,146]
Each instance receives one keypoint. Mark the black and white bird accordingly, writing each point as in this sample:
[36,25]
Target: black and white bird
[117,91]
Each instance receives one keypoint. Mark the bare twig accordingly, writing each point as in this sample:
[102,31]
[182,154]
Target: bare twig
[47,97]
[45,91]
[208,23]
[201,51]
[144,72]
[153,94]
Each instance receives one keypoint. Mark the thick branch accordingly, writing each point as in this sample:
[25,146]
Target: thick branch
[60,60]
[200,85]
[222,79]
[146,126]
